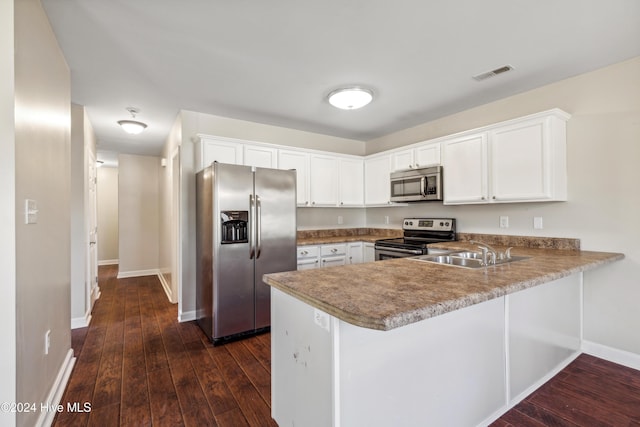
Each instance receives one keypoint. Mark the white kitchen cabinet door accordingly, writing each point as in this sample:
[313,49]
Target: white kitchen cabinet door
[376,180]
[424,155]
[300,162]
[260,156]
[465,169]
[524,158]
[350,182]
[354,253]
[209,150]
[369,252]
[402,160]
[323,183]
[427,155]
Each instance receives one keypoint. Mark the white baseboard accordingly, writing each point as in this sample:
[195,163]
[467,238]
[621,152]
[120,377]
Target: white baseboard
[108,262]
[166,287]
[137,273]
[81,322]
[621,357]
[187,316]
[57,390]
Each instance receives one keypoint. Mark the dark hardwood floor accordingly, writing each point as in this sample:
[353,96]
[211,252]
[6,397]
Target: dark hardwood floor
[137,366]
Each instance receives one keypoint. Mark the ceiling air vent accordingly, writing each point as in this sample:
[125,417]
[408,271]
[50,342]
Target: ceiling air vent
[487,74]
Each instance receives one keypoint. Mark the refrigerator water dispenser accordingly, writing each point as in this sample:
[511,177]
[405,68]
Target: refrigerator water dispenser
[234,226]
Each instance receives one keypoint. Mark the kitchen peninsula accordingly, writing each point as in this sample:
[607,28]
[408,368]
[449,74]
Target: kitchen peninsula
[404,342]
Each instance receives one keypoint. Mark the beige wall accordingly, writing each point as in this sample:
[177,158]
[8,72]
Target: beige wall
[603,142]
[138,215]
[107,215]
[7,213]
[42,172]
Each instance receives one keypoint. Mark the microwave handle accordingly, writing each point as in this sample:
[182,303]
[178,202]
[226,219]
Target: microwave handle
[423,186]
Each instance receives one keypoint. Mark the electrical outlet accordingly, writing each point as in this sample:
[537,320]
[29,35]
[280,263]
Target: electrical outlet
[537,222]
[47,341]
[386,219]
[340,220]
[504,222]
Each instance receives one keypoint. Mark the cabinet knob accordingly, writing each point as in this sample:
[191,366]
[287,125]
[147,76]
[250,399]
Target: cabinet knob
[341,203]
[313,203]
[483,198]
[306,202]
[494,197]
[334,250]
[410,166]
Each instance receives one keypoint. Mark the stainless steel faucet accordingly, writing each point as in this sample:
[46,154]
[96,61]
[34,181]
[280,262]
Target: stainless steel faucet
[486,251]
[495,255]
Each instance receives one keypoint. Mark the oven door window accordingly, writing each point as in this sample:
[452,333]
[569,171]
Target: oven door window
[407,187]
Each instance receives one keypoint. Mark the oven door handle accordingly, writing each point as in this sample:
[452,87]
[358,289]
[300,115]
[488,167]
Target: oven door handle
[400,251]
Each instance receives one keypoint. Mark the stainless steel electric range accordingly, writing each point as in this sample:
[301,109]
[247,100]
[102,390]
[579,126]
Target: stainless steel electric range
[418,233]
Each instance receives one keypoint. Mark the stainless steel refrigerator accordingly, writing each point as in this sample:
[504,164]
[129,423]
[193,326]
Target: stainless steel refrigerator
[246,227]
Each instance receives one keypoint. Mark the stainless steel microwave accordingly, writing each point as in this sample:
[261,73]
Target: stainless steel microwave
[417,185]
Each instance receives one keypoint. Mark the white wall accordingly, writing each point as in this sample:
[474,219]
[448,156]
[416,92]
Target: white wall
[138,215]
[7,213]
[42,172]
[107,215]
[603,142]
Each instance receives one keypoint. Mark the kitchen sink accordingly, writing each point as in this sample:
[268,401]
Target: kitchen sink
[465,259]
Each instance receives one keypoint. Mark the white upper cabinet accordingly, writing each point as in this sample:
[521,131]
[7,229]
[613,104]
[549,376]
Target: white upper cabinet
[465,169]
[323,182]
[426,154]
[299,161]
[523,160]
[350,182]
[376,180]
[212,149]
[260,156]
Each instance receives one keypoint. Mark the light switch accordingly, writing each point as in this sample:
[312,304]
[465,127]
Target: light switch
[30,211]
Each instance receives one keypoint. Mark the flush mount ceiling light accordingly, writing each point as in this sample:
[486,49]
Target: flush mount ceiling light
[350,98]
[133,127]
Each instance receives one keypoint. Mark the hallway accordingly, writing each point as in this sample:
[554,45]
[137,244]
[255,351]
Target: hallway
[137,366]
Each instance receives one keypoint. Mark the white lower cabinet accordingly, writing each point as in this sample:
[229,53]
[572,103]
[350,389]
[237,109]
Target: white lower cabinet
[369,252]
[354,253]
[327,372]
[308,257]
[333,255]
[330,255]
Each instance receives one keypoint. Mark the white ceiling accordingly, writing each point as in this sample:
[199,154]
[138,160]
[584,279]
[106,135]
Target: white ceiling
[275,61]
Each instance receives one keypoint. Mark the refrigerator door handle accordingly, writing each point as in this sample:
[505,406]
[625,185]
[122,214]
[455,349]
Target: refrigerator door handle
[258,220]
[252,226]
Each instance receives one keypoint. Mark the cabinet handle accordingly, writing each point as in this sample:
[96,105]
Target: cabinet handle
[334,250]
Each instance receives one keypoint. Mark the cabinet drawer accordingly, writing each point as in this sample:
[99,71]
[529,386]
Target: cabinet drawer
[308,251]
[331,250]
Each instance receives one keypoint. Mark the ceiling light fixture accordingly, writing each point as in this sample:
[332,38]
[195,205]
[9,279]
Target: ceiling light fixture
[350,98]
[133,127]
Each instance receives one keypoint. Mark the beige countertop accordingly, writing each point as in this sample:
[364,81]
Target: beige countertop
[388,294]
